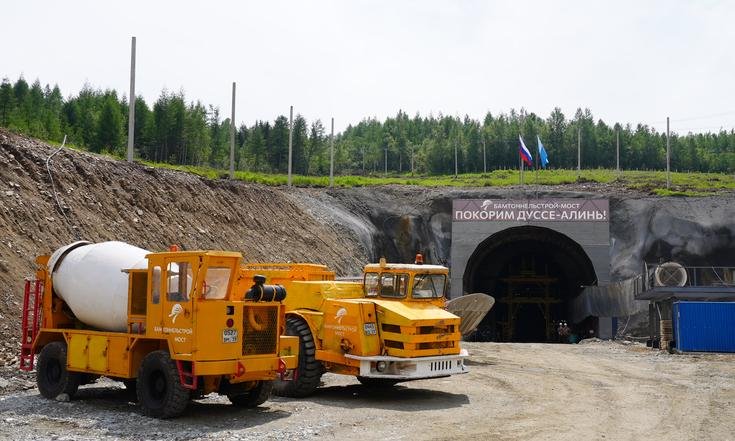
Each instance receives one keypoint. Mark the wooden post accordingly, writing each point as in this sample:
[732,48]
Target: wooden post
[131,101]
[290,144]
[232,135]
[331,157]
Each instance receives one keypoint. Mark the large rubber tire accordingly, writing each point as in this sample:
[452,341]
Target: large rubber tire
[159,389]
[377,383]
[253,397]
[51,375]
[309,370]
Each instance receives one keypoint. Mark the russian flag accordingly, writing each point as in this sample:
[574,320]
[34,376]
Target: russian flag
[525,153]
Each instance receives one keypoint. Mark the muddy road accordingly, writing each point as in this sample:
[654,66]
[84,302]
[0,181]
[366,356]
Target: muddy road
[595,391]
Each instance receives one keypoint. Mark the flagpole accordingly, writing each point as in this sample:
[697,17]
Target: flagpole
[537,159]
[520,168]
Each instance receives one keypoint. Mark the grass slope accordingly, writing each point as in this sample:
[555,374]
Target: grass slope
[654,182]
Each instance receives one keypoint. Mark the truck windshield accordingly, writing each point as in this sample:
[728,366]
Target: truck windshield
[216,282]
[393,285]
[429,286]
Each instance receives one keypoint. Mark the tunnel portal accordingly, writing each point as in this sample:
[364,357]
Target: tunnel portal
[533,273]
[533,256]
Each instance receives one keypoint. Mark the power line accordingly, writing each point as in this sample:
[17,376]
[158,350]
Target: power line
[692,118]
[714,115]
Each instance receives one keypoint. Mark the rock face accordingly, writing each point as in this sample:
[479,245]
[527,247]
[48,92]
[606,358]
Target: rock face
[405,220]
[691,231]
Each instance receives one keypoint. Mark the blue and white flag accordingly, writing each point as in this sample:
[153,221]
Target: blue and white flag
[542,153]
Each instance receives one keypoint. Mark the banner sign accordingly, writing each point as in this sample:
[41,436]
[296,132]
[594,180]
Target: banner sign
[531,210]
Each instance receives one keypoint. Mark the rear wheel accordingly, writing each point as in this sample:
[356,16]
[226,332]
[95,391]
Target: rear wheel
[378,383]
[159,389]
[253,397]
[51,375]
[309,370]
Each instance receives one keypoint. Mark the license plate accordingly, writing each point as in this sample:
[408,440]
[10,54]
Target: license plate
[370,329]
[229,335]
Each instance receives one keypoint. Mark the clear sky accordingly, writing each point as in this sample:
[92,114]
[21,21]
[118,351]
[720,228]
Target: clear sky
[628,61]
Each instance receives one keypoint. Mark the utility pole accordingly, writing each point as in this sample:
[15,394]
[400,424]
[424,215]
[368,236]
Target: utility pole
[484,156]
[331,157]
[290,144]
[363,160]
[232,135]
[131,107]
[411,159]
[579,151]
[617,149]
[386,161]
[668,156]
[520,160]
[455,160]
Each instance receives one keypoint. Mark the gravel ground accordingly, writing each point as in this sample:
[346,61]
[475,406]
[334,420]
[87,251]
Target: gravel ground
[594,391]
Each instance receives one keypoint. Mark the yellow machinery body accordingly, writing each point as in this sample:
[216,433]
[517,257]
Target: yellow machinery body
[391,325]
[187,305]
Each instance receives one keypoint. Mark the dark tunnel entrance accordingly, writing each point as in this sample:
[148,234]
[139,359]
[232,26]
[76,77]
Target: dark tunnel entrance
[533,273]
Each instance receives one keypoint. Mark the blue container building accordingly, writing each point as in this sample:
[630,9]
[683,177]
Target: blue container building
[704,326]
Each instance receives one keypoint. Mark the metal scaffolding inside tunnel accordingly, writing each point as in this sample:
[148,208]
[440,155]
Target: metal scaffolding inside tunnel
[533,273]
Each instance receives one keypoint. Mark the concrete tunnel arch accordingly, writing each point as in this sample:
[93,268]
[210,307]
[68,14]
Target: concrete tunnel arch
[533,273]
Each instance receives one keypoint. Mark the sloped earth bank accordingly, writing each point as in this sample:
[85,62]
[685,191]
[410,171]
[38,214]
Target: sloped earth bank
[592,391]
[105,199]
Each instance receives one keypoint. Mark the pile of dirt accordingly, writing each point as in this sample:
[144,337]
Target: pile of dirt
[105,199]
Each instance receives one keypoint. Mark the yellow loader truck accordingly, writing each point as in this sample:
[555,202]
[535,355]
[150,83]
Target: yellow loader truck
[387,328]
[170,325]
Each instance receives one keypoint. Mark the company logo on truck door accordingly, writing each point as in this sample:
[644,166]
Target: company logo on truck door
[340,329]
[341,312]
[175,311]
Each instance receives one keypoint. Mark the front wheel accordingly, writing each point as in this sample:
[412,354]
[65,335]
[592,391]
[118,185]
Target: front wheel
[51,375]
[159,389]
[253,397]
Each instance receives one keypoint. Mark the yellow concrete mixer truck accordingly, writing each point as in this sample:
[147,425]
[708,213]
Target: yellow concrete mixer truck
[172,325]
[387,328]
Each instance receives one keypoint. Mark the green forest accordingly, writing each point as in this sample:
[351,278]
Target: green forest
[178,131]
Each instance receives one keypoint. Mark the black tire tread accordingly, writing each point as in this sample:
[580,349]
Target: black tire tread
[177,398]
[309,370]
[68,382]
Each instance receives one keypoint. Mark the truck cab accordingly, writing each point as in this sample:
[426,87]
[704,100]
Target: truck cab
[406,282]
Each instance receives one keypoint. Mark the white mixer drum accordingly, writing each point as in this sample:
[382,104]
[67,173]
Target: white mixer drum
[89,278]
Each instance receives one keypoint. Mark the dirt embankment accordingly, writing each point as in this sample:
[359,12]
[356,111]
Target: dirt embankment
[106,199]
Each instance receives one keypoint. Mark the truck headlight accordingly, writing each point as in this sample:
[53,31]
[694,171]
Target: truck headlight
[381,366]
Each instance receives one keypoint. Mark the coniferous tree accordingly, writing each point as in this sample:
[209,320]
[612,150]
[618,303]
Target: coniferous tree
[7,102]
[109,125]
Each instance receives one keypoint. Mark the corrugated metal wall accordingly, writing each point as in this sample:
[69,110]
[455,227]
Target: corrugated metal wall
[704,326]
